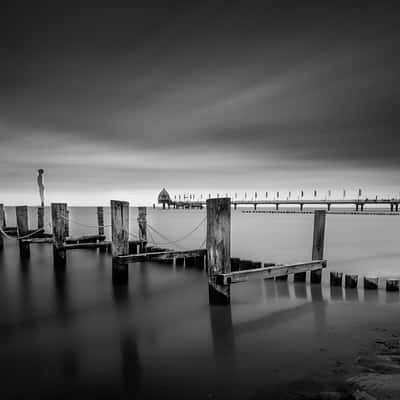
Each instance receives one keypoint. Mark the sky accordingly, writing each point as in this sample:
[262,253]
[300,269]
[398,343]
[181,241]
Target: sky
[116,100]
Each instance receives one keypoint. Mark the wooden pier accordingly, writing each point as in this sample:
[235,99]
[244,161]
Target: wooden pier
[358,204]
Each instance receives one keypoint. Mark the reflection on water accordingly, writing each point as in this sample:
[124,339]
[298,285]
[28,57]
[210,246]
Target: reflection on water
[70,331]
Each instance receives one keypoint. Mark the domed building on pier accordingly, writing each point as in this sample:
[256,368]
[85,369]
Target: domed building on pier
[164,198]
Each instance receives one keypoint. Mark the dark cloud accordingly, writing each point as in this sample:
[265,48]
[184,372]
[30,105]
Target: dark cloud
[297,81]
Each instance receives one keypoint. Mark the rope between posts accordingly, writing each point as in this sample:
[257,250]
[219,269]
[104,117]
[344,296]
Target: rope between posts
[85,225]
[183,237]
[165,238]
[22,237]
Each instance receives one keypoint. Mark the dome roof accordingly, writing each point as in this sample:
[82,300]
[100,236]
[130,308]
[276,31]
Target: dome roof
[163,197]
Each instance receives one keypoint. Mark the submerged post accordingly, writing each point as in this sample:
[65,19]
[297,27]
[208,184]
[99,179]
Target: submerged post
[22,229]
[120,240]
[59,218]
[1,225]
[318,243]
[142,221]
[218,248]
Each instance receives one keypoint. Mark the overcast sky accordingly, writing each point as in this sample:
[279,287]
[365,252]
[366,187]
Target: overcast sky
[204,97]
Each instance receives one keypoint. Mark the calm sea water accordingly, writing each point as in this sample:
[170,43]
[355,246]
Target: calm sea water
[65,333]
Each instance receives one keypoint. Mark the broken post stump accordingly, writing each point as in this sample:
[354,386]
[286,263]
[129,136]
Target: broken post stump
[392,285]
[142,222]
[336,279]
[351,281]
[59,219]
[318,243]
[23,230]
[120,240]
[371,282]
[218,248]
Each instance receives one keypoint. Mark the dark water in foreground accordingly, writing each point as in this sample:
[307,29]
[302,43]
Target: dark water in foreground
[69,333]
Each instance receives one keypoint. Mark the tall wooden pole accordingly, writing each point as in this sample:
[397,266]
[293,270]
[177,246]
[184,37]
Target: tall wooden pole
[318,243]
[1,225]
[22,229]
[142,221]
[218,248]
[120,240]
[58,218]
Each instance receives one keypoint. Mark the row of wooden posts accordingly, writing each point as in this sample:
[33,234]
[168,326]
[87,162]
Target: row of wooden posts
[222,269]
[370,282]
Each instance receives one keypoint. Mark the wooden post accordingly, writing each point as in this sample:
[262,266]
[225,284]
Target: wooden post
[318,243]
[120,240]
[100,220]
[22,229]
[66,221]
[218,248]
[336,278]
[142,221]
[59,220]
[371,282]
[1,225]
[40,215]
[392,285]
[351,281]
[100,224]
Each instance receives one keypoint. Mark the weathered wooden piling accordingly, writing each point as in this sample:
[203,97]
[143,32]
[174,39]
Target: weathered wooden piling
[1,225]
[59,219]
[23,229]
[100,226]
[218,248]
[40,216]
[142,222]
[66,225]
[336,278]
[120,240]
[392,285]
[318,243]
[100,220]
[371,282]
[351,281]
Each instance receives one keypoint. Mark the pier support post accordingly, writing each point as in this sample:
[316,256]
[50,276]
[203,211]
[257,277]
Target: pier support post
[277,206]
[397,207]
[301,206]
[329,206]
[255,206]
[100,226]
[120,240]
[1,225]
[357,207]
[59,219]
[142,222]
[234,206]
[318,243]
[40,216]
[22,229]
[391,207]
[218,248]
